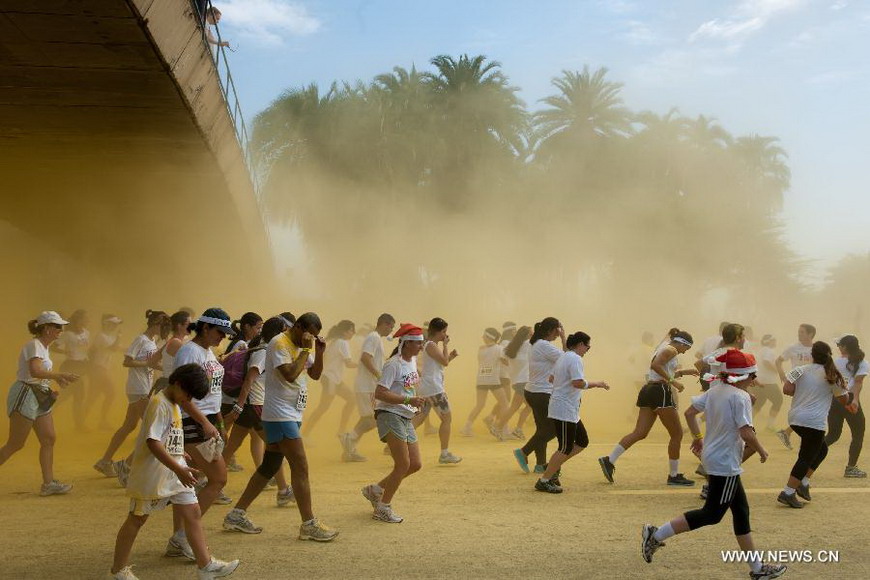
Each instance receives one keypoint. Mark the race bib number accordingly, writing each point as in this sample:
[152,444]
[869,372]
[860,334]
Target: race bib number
[175,441]
[485,371]
[215,372]
[794,374]
[302,400]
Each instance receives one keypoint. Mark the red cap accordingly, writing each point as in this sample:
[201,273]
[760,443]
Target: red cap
[738,362]
[409,331]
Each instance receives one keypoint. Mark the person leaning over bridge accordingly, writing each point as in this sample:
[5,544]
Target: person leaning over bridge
[212,17]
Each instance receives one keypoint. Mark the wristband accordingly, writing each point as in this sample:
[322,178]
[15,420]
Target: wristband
[407,399]
[237,409]
[220,425]
[305,350]
[698,436]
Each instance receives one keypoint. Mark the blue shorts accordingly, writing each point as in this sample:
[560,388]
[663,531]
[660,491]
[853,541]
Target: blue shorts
[276,431]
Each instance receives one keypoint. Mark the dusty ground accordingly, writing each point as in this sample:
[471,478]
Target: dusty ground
[478,519]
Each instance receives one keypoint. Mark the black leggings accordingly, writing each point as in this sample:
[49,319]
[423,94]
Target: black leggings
[812,452]
[836,416]
[723,494]
[544,429]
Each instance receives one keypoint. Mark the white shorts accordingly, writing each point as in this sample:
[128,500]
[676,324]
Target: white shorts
[146,507]
[365,404]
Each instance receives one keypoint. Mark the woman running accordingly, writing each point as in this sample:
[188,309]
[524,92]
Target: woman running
[396,404]
[542,360]
[336,359]
[854,368]
[31,398]
[140,361]
[656,401]
[246,328]
[75,342]
[569,382]
[517,355]
[812,386]
[433,360]
[105,344]
[490,359]
[766,388]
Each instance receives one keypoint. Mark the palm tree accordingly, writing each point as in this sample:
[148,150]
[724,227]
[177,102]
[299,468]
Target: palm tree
[705,134]
[764,167]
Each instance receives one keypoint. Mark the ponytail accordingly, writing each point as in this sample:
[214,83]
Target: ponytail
[517,341]
[543,328]
[154,317]
[32,327]
[821,353]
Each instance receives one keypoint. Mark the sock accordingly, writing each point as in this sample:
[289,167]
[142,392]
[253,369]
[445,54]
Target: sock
[237,511]
[310,522]
[383,505]
[805,481]
[789,490]
[444,452]
[617,451]
[755,563]
[545,479]
[179,535]
[664,532]
[674,466]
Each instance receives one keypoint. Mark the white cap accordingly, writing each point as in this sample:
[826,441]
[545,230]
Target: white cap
[50,317]
[113,320]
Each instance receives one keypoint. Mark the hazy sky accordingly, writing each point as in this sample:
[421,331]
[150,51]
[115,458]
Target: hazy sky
[794,69]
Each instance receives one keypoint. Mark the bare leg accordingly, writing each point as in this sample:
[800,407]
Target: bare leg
[347,409]
[646,418]
[406,460]
[192,517]
[671,420]
[478,407]
[216,471]
[558,459]
[125,540]
[19,429]
[131,420]
[444,429]
[44,429]
[294,451]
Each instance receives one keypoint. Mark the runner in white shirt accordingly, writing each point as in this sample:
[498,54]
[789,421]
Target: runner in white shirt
[542,358]
[336,359]
[767,387]
[140,360]
[75,343]
[813,387]
[490,359]
[729,429]
[797,354]
[104,345]
[492,419]
[656,401]
[433,360]
[569,382]
[517,354]
[371,362]
[854,368]
[711,343]
[31,398]
[396,404]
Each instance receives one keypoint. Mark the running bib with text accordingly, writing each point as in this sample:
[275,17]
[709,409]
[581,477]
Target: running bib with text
[175,441]
[302,400]
[215,372]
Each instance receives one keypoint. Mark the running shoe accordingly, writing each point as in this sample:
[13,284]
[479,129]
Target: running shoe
[353,457]
[54,487]
[105,467]
[521,459]
[178,547]
[784,438]
[346,441]
[607,467]
[680,479]
[518,433]
[701,471]
[431,430]
[790,500]
[125,573]
[272,483]
[286,497]
[547,486]
[853,471]
[705,490]
[488,421]
[234,467]
[649,544]
[540,468]
[768,572]
[385,513]
[223,499]
[371,493]
[555,479]
[217,569]
[122,470]
[466,432]
[804,492]
[237,521]
[317,532]
[448,458]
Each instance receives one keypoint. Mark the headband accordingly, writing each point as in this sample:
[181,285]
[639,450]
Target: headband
[286,322]
[682,340]
[216,321]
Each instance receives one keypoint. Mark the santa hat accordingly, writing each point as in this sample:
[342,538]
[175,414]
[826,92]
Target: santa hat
[738,365]
[408,331]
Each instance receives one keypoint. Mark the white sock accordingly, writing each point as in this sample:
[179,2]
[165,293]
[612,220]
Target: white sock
[310,522]
[664,532]
[674,466]
[805,481]
[755,564]
[789,490]
[617,451]
[444,452]
[238,511]
[383,505]
[545,479]
[179,535]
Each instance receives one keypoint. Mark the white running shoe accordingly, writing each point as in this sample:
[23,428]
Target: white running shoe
[223,499]
[177,548]
[317,531]
[122,470]
[447,458]
[125,573]
[105,467]
[237,521]
[384,513]
[371,493]
[286,498]
[353,457]
[54,487]
[217,569]
[466,432]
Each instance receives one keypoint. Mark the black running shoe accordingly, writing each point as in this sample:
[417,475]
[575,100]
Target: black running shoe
[790,500]
[555,479]
[681,480]
[804,492]
[548,486]
[607,467]
[768,572]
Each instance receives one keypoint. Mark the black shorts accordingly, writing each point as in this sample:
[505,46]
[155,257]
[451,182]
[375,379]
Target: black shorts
[193,431]
[570,434]
[656,396]
[249,418]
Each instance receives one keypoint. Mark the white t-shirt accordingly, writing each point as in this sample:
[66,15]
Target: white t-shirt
[401,378]
[710,344]
[565,400]
[283,400]
[716,367]
[33,349]
[366,381]
[139,378]
[75,345]
[767,374]
[335,356]
[670,366]
[863,370]
[519,365]
[727,409]
[190,352]
[489,365]
[812,396]
[101,353]
[149,479]
[542,359]
[257,394]
[431,374]
[798,354]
